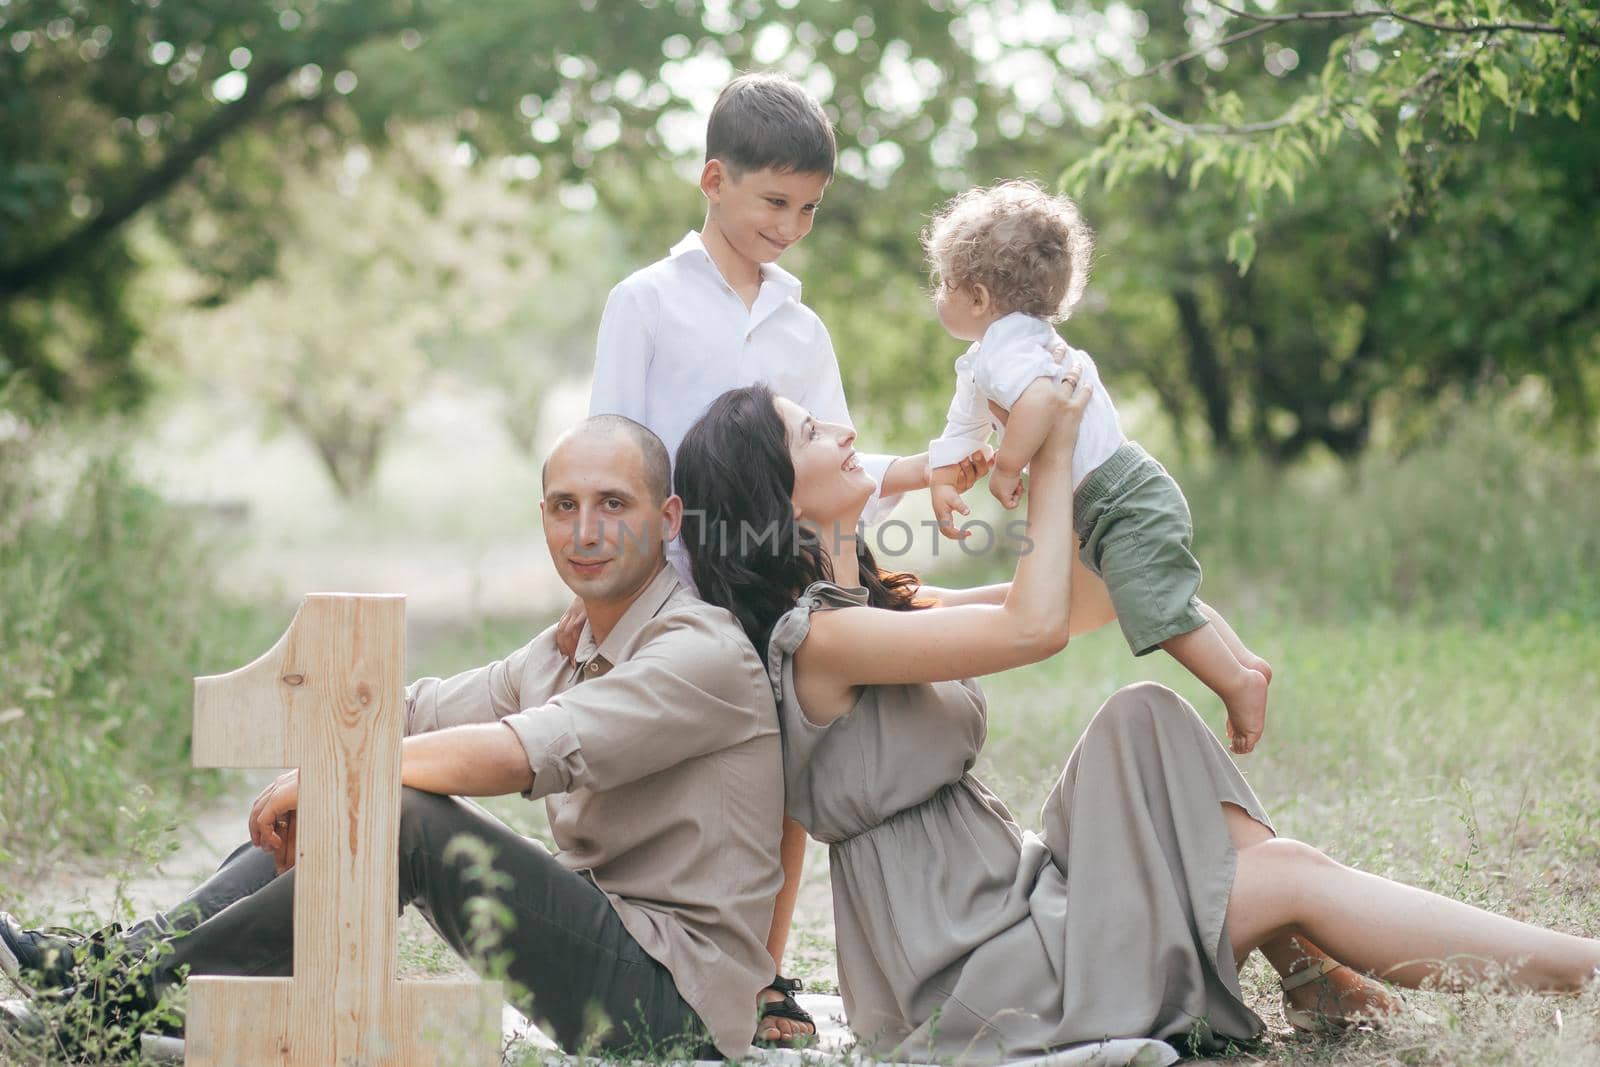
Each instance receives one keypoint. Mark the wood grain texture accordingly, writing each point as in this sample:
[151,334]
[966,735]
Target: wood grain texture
[328,699]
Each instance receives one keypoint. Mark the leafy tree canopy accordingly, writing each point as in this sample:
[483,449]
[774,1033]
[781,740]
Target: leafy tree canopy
[1411,187]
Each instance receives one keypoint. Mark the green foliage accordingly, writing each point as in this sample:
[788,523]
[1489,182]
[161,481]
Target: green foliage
[1411,79]
[1415,204]
[195,112]
[1290,285]
[1486,524]
[107,611]
[365,318]
[104,1028]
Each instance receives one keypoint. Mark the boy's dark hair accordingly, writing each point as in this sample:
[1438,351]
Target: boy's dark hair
[765,120]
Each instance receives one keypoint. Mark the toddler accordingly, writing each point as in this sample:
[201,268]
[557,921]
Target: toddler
[1008,261]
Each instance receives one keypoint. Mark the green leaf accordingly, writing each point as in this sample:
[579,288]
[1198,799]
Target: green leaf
[1242,248]
[1405,135]
[1495,80]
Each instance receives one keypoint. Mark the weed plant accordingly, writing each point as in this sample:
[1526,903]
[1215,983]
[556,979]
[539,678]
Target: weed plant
[107,610]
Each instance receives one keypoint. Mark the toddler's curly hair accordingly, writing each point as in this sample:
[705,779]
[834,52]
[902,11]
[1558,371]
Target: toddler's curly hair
[1029,248]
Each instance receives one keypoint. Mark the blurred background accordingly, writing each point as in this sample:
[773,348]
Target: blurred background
[295,293]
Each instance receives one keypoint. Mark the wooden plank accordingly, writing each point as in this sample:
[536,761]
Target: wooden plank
[329,699]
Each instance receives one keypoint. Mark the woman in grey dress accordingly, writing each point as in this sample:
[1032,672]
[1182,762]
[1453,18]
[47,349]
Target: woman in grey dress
[959,934]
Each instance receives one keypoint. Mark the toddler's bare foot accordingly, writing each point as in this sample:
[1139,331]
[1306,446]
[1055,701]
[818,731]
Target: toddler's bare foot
[1257,664]
[1246,699]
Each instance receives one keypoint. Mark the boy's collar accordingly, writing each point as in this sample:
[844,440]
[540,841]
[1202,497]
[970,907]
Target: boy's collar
[692,243]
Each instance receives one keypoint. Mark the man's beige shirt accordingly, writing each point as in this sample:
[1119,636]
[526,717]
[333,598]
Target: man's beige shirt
[658,758]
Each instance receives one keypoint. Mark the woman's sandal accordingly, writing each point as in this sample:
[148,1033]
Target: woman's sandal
[1312,1022]
[786,1008]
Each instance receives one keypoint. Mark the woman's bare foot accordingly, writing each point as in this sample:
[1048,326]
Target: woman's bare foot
[1342,997]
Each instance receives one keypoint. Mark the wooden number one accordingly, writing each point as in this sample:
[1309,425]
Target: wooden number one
[328,699]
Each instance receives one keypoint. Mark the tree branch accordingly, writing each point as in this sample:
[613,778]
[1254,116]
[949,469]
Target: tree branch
[1196,53]
[44,265]
[1189,129]
[47,263]
[1390,13]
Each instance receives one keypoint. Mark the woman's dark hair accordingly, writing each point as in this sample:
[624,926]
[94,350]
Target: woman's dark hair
[747,552]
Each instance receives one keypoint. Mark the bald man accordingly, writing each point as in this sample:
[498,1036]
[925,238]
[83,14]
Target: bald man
[658,757]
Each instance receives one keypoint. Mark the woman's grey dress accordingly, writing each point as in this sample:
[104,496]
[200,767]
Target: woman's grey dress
[959,934]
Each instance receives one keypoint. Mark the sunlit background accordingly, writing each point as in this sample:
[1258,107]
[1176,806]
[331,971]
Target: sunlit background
[329,273]
[295,294]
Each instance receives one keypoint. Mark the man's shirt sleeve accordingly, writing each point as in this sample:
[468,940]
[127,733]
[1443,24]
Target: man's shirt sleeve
[483,694]
[622,353]
[688,690]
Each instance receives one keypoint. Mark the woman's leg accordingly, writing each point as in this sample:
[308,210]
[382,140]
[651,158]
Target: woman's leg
[1340,994]
[1286,889]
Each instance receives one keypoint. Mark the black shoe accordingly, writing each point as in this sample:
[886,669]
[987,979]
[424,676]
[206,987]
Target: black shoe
[40,960]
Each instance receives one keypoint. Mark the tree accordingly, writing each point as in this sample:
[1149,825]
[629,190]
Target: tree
[376,297]
[1362,278]
[1423,76]
[196,111]
[1202,138]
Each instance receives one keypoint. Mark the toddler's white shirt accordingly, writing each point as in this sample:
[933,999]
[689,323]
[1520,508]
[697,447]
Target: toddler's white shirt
[675,336]
[1013,353]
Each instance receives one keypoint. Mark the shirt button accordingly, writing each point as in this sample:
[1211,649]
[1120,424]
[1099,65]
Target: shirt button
[594,666]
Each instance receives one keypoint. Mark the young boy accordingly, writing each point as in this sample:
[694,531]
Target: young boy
[719,313]
[1011,259]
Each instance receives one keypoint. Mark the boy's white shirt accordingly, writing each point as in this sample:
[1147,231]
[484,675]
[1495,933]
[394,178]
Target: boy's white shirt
[1013,353]
[675,336]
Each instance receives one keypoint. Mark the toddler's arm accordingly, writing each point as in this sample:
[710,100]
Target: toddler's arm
[966,433]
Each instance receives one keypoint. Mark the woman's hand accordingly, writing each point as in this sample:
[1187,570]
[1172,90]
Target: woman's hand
[1069,398]
[272,819]
[570,627]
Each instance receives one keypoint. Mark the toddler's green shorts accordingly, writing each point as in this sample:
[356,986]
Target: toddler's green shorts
[1135,532]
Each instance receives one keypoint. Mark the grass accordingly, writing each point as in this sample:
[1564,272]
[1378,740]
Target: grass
[1455,757]
[107,610]
[1433,619]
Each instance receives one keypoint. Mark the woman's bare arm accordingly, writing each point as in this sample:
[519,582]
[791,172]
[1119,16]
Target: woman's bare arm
[1091,601]
[978,594]
[852,647]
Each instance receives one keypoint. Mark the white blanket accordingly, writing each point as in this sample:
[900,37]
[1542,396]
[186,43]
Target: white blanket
[524,1044]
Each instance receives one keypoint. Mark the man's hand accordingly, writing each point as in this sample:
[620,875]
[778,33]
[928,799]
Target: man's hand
[272,819]
[570,627]
[947,499]
[1006,488]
